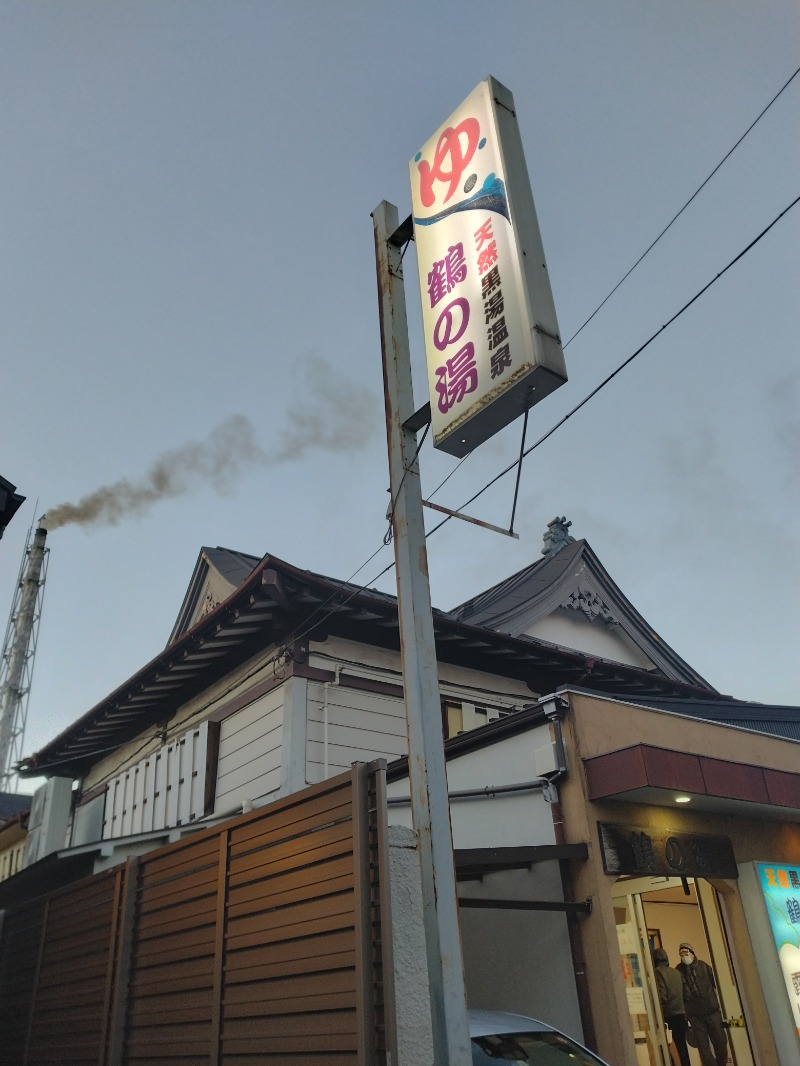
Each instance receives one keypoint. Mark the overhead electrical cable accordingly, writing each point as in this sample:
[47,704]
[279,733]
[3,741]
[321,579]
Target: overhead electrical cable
[653,243]
[306,628]
[676,216]
[622,365]
[306,625]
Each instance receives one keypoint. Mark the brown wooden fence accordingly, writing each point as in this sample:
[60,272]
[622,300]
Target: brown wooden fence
[257,941]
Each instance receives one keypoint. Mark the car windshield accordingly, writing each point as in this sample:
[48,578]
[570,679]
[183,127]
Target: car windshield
[538,1049]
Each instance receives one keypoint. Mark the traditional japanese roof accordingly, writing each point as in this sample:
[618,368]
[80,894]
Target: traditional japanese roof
[570,584]
[279,604]
[218,571]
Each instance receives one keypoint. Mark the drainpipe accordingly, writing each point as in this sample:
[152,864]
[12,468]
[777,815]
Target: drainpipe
[337,673]
[555,708]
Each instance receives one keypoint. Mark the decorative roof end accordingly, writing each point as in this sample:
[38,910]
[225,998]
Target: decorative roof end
[557,536]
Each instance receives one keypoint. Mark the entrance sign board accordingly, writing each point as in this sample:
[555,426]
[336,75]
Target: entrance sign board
[491,335]
[781,887]
[638,850]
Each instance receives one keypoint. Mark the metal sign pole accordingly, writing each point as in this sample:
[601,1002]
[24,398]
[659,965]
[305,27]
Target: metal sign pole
[429,803]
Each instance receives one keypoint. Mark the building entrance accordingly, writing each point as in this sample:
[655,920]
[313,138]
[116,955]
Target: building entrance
[659,912]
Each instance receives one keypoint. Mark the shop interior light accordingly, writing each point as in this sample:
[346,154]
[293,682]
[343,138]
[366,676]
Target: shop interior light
[683,799]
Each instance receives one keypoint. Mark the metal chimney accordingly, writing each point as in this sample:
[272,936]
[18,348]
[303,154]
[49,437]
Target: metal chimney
[19,646]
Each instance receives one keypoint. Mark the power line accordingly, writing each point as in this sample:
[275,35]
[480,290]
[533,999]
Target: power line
[308,628]
[300,632]
[653,243]
[621,366]
[675,217]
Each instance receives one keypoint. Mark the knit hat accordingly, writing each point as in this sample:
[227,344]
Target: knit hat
[686,947]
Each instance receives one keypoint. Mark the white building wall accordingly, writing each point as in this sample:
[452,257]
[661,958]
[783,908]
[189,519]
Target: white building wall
[250,753]
[514,960]
[347,725]
[573,630]
[517,961]
[520,960]
[504,820]
[200,707]
[456,682]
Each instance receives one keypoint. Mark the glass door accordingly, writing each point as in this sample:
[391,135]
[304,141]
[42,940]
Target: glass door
[663,912]
[722,962]
[635,950]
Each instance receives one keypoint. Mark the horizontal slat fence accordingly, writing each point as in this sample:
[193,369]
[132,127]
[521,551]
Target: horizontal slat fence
[56,973]
[258,941]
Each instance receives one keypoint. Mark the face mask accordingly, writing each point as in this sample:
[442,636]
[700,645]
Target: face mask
[686,957]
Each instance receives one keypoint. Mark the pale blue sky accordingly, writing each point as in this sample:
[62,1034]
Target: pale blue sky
[186,197]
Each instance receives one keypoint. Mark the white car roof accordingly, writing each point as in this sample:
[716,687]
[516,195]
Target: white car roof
[485,1022]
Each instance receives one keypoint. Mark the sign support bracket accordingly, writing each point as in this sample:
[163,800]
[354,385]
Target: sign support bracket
[468,518]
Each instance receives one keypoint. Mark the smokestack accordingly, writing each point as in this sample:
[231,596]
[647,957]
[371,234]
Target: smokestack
[17,654]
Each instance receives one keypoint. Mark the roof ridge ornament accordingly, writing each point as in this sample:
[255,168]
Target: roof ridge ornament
[557,536]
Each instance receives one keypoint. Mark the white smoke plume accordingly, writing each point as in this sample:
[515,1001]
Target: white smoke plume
[332,414]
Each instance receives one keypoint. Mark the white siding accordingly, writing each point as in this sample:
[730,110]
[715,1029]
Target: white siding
[361,726]
[162,790]
[250,752]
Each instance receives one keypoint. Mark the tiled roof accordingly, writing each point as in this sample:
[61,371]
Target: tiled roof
[279,604]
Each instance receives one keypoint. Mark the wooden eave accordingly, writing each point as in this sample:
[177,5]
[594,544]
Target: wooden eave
[279,603]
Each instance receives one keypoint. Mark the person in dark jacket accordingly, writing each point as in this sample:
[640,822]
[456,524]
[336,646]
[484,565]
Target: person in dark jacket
[670,993]
[702,1007]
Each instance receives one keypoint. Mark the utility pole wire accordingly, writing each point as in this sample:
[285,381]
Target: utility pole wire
[651,245]
[353,593]
[677,216]
[308,625]
[622,365]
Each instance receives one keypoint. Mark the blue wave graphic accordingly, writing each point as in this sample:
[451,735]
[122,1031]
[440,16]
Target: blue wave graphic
[490,197]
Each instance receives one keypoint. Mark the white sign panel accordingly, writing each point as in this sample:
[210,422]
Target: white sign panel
[491,336]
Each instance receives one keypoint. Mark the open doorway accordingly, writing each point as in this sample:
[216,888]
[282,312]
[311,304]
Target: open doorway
[664,912]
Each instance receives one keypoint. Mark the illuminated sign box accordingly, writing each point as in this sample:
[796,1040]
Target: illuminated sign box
[491,336]
[780,885]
